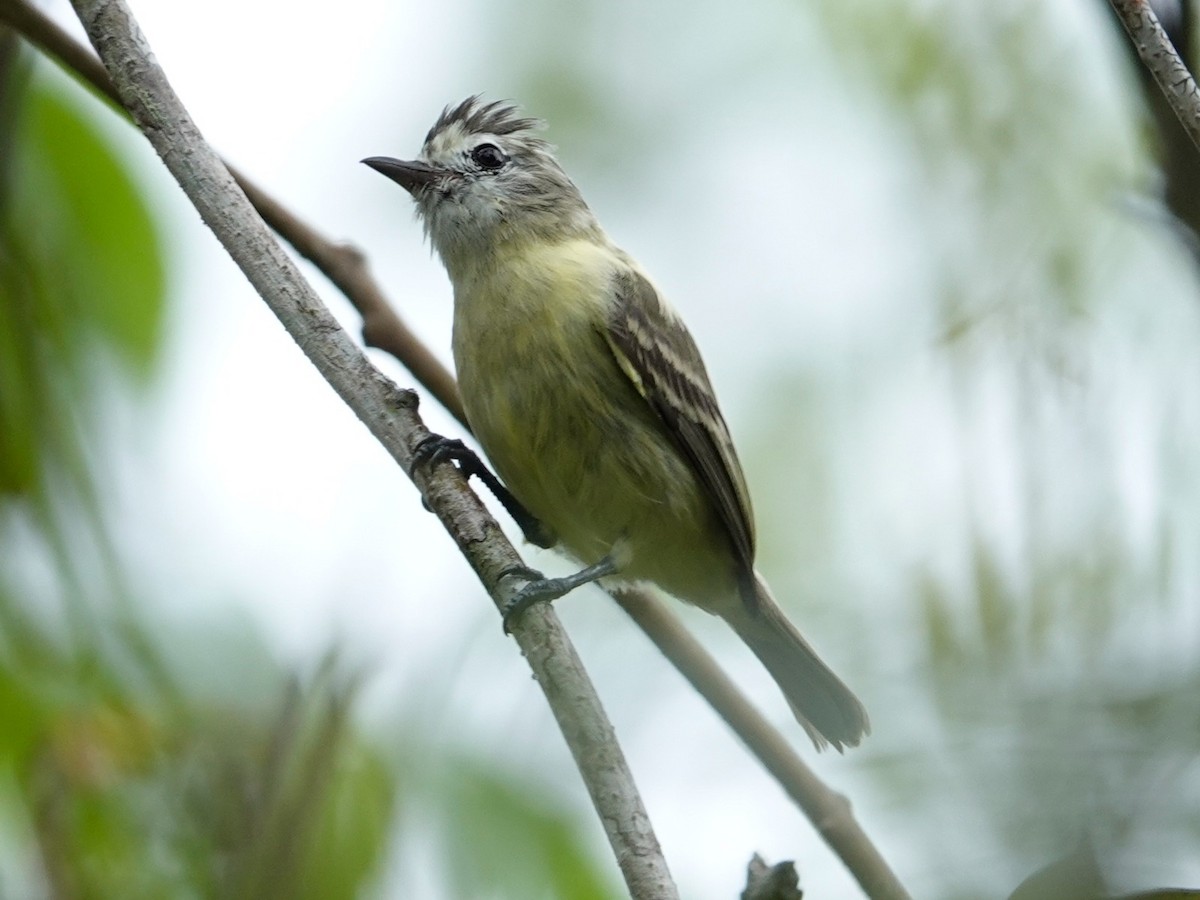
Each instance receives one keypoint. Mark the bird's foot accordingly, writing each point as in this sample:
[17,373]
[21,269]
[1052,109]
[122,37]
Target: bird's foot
[541,589]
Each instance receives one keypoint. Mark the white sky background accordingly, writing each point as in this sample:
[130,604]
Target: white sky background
[788,226]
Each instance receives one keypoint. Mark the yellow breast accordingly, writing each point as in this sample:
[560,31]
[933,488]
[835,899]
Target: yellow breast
[565,427]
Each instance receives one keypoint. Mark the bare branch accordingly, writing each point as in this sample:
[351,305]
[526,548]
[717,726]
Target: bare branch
[391,415]
[1157,52]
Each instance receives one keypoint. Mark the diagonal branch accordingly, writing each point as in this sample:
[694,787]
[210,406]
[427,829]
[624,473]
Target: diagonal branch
[1157,52]
[391,415]
[383,328]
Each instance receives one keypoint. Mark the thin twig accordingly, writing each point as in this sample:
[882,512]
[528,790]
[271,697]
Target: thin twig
[384,329]
[828,810]
[391,415]
[1157,52]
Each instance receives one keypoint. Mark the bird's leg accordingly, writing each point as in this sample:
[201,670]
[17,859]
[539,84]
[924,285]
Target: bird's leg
[435,448]
[542,589]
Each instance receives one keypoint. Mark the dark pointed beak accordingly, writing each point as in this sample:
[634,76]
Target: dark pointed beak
[411,175]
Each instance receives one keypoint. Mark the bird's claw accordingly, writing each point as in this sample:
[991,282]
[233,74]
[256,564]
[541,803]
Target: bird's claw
[434,448]
[539,589]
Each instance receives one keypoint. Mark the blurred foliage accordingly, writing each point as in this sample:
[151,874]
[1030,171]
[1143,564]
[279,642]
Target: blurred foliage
[1022,197]
[120,778]
[81,275]
[499,837]
[128,784]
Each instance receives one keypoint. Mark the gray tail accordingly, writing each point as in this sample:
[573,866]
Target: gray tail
[826,708]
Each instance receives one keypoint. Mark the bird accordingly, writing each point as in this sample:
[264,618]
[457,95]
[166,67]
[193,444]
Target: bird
[589,397]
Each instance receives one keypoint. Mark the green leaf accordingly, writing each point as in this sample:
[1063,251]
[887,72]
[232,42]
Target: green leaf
[81,269]
[89,229]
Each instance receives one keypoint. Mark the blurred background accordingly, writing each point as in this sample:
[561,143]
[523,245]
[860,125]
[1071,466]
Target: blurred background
[932,254]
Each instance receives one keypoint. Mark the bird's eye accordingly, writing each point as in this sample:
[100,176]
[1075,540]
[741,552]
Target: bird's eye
[488,156]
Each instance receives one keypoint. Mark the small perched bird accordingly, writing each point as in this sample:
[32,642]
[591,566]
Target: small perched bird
[589,396]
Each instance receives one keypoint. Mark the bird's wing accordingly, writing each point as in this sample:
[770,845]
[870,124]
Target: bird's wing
[656,351]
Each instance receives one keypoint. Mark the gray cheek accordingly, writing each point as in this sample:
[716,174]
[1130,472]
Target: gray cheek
[447,215]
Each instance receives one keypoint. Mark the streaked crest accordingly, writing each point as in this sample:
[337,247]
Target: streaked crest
[474,116]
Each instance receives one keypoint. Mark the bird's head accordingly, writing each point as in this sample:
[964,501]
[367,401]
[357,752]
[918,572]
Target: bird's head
[485,177]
